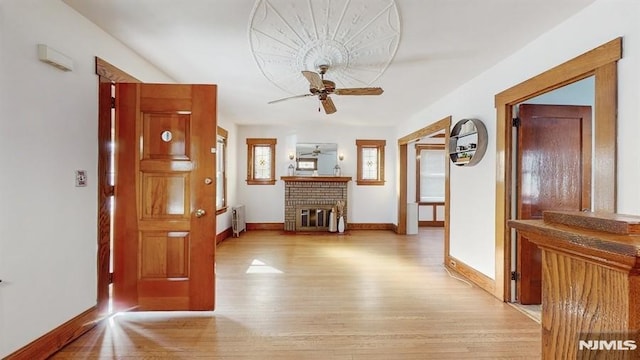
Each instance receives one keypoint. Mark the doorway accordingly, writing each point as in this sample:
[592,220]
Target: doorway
[431,161]
[164,246]
[439,127]
[166,251]
[601,63]
[553,172]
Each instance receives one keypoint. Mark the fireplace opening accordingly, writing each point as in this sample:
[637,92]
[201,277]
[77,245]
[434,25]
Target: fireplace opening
[313,218]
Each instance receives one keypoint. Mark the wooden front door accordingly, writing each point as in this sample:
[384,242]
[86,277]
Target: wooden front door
[554,173]
[165,222]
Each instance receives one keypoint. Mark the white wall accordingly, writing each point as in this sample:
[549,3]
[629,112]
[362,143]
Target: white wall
[367,204]
[48,129]
[473,188]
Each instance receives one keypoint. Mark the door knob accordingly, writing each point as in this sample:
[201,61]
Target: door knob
[200,213]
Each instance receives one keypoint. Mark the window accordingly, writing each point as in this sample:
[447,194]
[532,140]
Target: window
[370,162]
[221,170]
[261,158]
[430,168]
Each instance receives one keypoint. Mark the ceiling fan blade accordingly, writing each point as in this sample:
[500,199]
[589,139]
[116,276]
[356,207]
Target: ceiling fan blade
[289,98]
[359,91]
[329,107]
[314,79]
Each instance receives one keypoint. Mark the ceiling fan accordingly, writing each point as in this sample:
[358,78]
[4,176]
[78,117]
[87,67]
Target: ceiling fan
[314,152]
[322,88]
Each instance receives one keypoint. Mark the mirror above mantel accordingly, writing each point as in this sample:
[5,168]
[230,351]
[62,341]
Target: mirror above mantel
[316,159]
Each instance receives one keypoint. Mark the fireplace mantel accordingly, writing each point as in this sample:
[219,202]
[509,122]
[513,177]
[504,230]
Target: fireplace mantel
[316,178]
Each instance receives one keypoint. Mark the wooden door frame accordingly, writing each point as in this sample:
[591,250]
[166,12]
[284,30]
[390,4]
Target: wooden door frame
[601,63]
[107,76]
[441,125]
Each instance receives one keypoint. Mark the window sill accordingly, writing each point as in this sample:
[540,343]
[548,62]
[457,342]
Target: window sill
[370,182]
[261,182]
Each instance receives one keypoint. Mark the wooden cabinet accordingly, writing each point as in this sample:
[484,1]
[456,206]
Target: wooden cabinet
[590,283]
[468,142]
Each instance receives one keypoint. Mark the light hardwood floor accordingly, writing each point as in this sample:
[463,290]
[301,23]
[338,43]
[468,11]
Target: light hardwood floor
[364,295]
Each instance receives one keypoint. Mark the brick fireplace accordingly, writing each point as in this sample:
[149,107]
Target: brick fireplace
[309,199]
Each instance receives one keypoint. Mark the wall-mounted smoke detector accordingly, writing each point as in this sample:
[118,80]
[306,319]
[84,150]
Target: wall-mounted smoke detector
[55,58]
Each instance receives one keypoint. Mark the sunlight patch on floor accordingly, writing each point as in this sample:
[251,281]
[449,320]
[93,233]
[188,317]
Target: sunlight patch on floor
[366,260]
[368,264]
[260,267]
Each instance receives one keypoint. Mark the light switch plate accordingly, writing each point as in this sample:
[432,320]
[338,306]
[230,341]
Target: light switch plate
[81,178]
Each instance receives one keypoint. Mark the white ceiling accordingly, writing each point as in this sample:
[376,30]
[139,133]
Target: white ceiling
[443,44]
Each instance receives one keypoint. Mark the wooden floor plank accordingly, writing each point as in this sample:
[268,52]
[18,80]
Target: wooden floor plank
[366,295]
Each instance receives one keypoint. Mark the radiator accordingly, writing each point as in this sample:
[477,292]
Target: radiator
[237,220]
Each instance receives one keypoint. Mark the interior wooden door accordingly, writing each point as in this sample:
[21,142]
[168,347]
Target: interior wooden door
[164,223]
[554,172]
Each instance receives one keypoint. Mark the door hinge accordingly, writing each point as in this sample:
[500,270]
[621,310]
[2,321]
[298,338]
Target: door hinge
[515,276]
[515,122]
[110,278]
[113,102]
[111,190]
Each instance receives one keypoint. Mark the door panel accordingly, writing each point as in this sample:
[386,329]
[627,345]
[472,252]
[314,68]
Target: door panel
[169,145]
[164,195]
[554,172]
[165,254]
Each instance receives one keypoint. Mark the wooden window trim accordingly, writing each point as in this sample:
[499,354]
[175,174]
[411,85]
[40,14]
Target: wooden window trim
[251,144]
[224,134]
[378,144]
[419,148]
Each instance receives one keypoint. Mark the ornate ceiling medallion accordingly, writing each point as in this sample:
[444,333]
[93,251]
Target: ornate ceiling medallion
[356,38]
